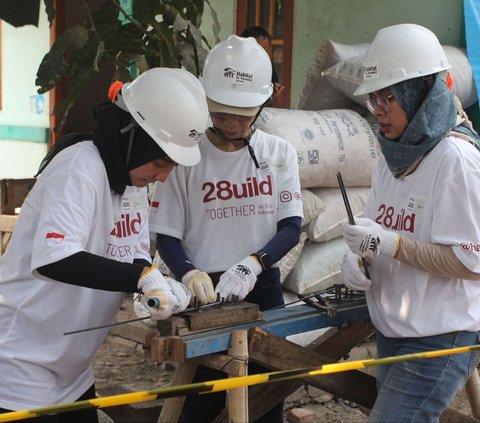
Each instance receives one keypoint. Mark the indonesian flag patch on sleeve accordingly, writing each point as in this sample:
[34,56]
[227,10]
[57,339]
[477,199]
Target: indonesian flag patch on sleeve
[54,236]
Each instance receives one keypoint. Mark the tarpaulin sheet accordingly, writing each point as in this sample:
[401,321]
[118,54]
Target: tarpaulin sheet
[471,10]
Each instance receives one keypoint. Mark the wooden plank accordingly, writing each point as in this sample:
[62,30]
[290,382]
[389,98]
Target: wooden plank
[7,222]
[208,318]
[4,240]
[175,349]
[334,344]
[13,193]
[171,326]
[172,407]
[279,354]
[237,399]
[134,331]
[220,362]
[156,348]
[281,322]
[130,413]
[225,315]
[164,348]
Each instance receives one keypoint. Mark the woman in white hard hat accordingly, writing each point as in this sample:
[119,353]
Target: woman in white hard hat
[421,234]
[82,241]
[234,215]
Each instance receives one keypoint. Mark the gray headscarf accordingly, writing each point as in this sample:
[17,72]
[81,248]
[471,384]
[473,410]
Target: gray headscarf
[432,113]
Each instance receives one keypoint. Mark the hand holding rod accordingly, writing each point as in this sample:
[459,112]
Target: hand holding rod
[350,215]
[153,302]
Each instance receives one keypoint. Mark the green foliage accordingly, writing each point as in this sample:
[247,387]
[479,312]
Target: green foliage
[156,33]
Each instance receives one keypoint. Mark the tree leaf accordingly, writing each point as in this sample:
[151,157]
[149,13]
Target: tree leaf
[55,64]
[50,10]
[156,33]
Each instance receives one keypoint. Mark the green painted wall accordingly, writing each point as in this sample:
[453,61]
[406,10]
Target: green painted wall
[357,21]
[226,15]
[349,22]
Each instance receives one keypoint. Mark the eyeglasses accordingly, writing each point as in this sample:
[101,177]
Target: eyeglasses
[380,101]
[225,116]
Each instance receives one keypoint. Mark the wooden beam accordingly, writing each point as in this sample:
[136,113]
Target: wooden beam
[237,399]
[281,322]
[7,222]
[172,407]
[13,193]
[334,344]
[277,353]
[216,317]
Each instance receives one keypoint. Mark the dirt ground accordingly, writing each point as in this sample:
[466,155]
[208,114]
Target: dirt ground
[120,366]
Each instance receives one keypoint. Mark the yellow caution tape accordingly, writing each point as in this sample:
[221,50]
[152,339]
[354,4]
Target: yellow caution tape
[224,384]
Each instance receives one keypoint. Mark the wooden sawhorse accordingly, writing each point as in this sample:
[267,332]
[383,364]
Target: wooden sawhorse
[267,347]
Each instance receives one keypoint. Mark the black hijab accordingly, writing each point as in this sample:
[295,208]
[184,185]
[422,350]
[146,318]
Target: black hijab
[122,143]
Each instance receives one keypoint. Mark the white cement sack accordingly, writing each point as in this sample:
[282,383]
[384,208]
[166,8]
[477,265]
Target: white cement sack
[312,206]
[317,93]
[347,75]
[288,261]
[318,267]
[304,338]
[328,224]
[326,142]
[161,266]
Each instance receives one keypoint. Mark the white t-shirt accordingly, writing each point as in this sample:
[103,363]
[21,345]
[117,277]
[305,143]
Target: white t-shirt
[439,203]
[224,209]
[70,209]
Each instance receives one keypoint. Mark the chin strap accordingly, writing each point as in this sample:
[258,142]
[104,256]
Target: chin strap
[115,96]
[130,127]
[245,140]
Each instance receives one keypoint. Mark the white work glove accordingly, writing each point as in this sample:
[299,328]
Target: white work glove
[142,312]
[353,277]
[367,238]
[239,280]
[200,285]
[165,295]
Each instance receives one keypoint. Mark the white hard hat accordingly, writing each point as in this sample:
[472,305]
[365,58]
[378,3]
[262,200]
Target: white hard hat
[170,105]
[238,72]
[398,53]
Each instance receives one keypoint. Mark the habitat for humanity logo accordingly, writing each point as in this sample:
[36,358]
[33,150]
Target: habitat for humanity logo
[194,134]
[237,75]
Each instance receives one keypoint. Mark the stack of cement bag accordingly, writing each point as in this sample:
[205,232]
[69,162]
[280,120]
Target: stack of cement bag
[336,71]
[327,142]
[332,131]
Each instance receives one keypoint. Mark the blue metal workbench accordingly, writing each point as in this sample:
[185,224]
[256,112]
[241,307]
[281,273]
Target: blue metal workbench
[281,322]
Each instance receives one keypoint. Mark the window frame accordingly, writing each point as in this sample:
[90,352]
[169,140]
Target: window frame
[285,42]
